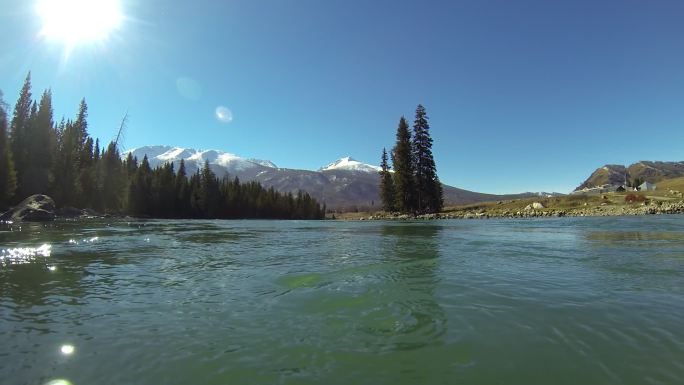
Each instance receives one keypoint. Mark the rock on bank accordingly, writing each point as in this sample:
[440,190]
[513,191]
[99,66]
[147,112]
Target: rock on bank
[36,208]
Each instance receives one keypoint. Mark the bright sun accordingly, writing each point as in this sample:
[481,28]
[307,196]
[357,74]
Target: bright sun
[75,22]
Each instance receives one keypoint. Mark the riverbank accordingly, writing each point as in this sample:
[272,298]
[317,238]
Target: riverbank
[566,206]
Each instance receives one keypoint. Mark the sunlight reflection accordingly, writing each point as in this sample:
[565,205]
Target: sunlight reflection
[20,255]
[67,349]
[59,381]
[83,241]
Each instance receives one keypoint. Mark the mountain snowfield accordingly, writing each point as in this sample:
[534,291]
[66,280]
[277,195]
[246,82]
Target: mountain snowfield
[347,163]
[194,159]
[345,184]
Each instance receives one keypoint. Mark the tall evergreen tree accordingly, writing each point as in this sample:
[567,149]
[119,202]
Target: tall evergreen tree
[19,132]
[140,190]
[209,193]
[96,151]
[129,168]
[66,187]
[402,161]
[87,174]
[8,181]
[81,124]
[164,193]
[428,188]
[195,204]
[39,148]
[113,179]
[387,193]
[130,165]
[182,189]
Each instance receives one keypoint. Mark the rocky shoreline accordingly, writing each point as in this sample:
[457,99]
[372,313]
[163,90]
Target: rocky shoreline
[658,208]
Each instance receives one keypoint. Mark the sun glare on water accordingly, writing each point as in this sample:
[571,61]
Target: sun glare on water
[76,22]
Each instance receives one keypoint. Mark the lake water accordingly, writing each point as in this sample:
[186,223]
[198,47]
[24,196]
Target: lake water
[554,301]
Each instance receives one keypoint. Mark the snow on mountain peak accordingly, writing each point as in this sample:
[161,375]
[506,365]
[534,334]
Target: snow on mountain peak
[194,159]
[233,164]
[174,153]
[265,163]
[349,163]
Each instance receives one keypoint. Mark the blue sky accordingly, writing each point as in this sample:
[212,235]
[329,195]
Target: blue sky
[522,95]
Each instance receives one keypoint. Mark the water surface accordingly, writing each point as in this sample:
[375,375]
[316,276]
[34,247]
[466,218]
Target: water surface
[553,301]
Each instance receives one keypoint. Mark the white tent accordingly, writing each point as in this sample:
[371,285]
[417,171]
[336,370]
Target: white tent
[647,186]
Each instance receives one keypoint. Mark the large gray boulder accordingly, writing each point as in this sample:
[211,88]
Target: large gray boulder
[36,208]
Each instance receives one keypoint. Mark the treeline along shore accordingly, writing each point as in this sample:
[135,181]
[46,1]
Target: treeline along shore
[61,160]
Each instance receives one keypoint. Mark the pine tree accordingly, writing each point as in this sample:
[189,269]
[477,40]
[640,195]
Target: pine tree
[140,190]
[195,202]
[182,190]
[428,188]
[130,165]
[209,193]
[402,161]
[387,193]
[19,133]
[163,191]
[86,174]
[66,187]
[97,200]
[81,124]
[8,181]
[96,151]
[40,148]
[113,179]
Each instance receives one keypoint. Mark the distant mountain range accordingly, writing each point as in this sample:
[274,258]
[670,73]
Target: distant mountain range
[616,175]
[343,184]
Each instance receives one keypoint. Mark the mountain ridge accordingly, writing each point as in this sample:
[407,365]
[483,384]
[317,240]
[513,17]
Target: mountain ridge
[345,184]
[616,174]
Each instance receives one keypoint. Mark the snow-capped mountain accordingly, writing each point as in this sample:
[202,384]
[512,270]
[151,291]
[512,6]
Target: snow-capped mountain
[343,184]
[194,159]
[347,163]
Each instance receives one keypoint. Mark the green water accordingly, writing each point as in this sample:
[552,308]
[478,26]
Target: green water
[558,301]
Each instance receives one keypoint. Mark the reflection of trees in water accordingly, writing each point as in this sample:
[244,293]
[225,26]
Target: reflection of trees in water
[414,240]
[410,285]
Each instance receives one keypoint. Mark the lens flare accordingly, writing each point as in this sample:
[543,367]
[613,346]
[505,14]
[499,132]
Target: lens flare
[223,114]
